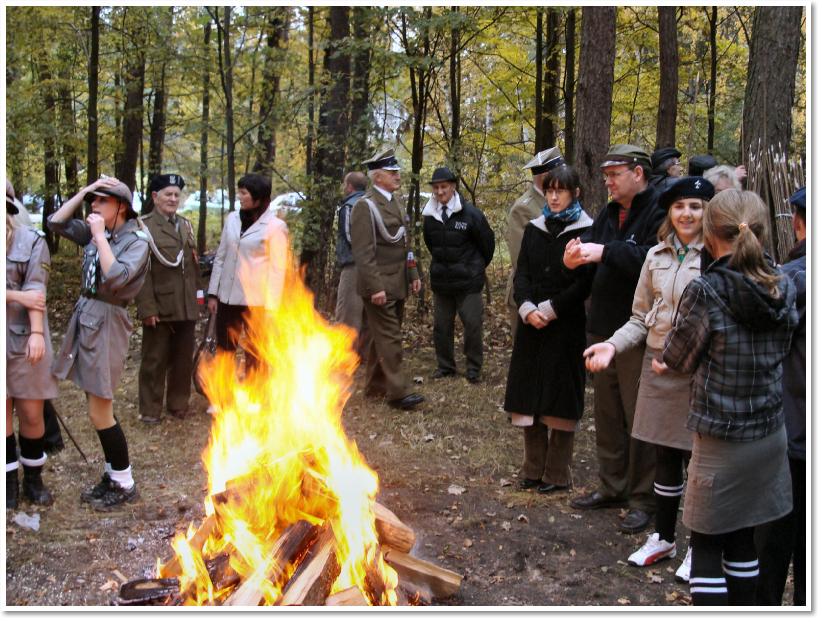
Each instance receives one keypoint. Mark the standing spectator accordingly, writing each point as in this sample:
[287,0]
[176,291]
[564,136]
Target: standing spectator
[527,207]
[723,177]
[28,355]
[733,329]
[385,267]
[546,379]
[461,243]
[784,540]
[698,164]
[115,262]
[665,168]
[349,304]
[618,242]
[662,401]
[254,242]
[167,305]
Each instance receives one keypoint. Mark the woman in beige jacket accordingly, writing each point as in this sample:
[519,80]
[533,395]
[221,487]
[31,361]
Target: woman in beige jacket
[662,400]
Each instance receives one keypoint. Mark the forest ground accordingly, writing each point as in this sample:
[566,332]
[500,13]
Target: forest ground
[511,547]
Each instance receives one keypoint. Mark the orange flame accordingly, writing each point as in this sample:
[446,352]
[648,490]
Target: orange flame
[277,436]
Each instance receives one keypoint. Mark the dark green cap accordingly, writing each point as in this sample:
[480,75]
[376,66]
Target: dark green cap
[626,154]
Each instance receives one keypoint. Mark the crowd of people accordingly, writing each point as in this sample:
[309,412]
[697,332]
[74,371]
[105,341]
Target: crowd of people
[667,302]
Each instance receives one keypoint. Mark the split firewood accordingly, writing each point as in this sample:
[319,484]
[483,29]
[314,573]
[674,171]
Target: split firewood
[412,594]
[172,567]
[147,591]
[351,596]
[442,583]
[290,547]
[391,531]
[312,582]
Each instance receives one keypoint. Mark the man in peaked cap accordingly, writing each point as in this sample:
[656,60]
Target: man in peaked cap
[527,207]
[381,246]
[698,164]
[665,167]
[167,305]
[621,236]
[462,245]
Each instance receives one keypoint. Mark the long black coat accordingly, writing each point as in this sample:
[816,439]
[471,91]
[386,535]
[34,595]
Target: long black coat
[547,373]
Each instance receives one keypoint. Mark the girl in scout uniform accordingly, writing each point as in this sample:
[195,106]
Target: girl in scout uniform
[115,262]
[28,355]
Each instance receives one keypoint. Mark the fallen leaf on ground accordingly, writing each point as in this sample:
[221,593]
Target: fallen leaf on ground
[522,518]
[453,489]
[428,438]
[468,543]
[624,601]
[504,482]
[506,526]
[111,584]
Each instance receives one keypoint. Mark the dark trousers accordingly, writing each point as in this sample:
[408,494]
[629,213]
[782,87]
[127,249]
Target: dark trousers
[383,373]
[626,465]
[548,454]
[228,327]
[469,308]
[165,367]
[779,541]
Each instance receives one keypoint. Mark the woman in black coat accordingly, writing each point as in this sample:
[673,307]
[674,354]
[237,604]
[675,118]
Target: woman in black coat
[546,378]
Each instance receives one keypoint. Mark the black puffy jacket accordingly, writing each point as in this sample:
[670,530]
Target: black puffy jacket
[461,248]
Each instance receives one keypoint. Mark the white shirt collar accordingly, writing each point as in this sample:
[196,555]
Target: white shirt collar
[384,193]
[434,207]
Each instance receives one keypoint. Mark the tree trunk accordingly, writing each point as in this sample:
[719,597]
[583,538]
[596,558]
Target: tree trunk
[134,82]
[363,29]
[596,81]
[157,131]
[569,86]
[329,166]
[68,133]
[50,159]
[277,35]
[539,47]
[309,135]
[668,77]
[93,70]
[227,79]
[769,93]
[454,75]
[201,224]
[550,112]
[712,94]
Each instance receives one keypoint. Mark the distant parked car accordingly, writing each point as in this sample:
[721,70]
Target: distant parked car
[288,203]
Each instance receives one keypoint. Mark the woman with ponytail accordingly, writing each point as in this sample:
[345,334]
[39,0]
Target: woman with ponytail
[733,328]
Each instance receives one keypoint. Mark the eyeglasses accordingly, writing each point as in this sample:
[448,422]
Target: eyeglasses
[609,176]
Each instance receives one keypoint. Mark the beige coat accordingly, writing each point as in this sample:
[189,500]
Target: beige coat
[656,298]
[27,268]
[381,265]
[262,250]
[96,343]
[524,210]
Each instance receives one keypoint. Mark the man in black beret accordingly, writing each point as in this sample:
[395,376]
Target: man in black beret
[167,305]
[461,243]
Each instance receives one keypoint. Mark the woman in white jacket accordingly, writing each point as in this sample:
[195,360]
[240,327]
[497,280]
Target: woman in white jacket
[253,250]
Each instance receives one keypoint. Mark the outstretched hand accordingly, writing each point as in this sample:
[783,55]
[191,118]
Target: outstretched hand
[598,356]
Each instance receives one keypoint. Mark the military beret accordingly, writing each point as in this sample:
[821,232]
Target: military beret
[698,164]
[626,154]
[383,159]
[443,173]
[661,155]
[798,199]
[158,182]
[545,161]
[687,188]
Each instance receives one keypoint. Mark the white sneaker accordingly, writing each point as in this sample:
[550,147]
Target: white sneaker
[652,551]
[683,573]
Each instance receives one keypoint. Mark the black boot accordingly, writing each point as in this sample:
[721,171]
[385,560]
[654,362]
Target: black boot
[33,488]
[12,490]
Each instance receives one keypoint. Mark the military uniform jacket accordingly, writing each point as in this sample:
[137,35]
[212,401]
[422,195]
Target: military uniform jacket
[524,210]
[27,268]
[170,293]
[96,342]
[381,265]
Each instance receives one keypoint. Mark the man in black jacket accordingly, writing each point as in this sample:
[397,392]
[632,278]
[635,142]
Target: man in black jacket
[461,244]
[617,243]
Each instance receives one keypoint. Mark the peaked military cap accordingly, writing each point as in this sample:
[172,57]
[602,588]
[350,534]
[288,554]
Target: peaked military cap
[443,173]
[13,204]
[545,161]
[626,154]
[698,164]
[383,159]
[798,199]
[666,153]
[158,182]
[119,191]
[687,188]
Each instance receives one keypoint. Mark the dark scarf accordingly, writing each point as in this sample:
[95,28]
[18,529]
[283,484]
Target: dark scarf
[249,216]
[568,215]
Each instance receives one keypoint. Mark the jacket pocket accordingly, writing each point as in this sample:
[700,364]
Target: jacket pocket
[164,293]
[89,331]
[18,339]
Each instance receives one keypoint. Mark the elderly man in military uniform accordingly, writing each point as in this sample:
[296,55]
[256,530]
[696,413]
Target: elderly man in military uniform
[524,210]
[385,268]
[167,305]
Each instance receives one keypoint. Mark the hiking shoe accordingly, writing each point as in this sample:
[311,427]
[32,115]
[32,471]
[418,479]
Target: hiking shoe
[98,490]
[652,551]
[33,487]
[150,419]
[683,573]
[115,496]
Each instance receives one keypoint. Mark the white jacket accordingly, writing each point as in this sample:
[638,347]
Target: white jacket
[262,252]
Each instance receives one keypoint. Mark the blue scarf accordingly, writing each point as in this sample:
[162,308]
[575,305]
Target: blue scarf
[569,214]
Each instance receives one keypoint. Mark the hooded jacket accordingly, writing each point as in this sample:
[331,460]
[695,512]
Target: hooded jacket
[732,335]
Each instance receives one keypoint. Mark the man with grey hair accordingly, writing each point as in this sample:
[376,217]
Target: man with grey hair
[722,177]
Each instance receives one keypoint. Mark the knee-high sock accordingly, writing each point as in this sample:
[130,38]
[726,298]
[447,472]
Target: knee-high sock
[708,585]
[741,567]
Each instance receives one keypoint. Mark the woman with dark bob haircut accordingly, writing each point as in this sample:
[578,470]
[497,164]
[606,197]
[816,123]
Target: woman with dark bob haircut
[546,378]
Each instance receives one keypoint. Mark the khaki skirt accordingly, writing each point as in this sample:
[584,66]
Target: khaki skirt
[662,406]
[736,485]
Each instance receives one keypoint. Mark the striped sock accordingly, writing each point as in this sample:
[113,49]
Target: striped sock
[667,504]
[707,591]
[741,577]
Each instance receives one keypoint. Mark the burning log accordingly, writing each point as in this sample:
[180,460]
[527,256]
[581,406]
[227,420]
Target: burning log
[172,567]
[312,582]
[441,582]
[391,531]
[349,597]
[287,551]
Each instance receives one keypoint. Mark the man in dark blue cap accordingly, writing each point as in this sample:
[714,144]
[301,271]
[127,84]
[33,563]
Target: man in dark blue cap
[665,168]
[167,305]
[462,245]
[785,539]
